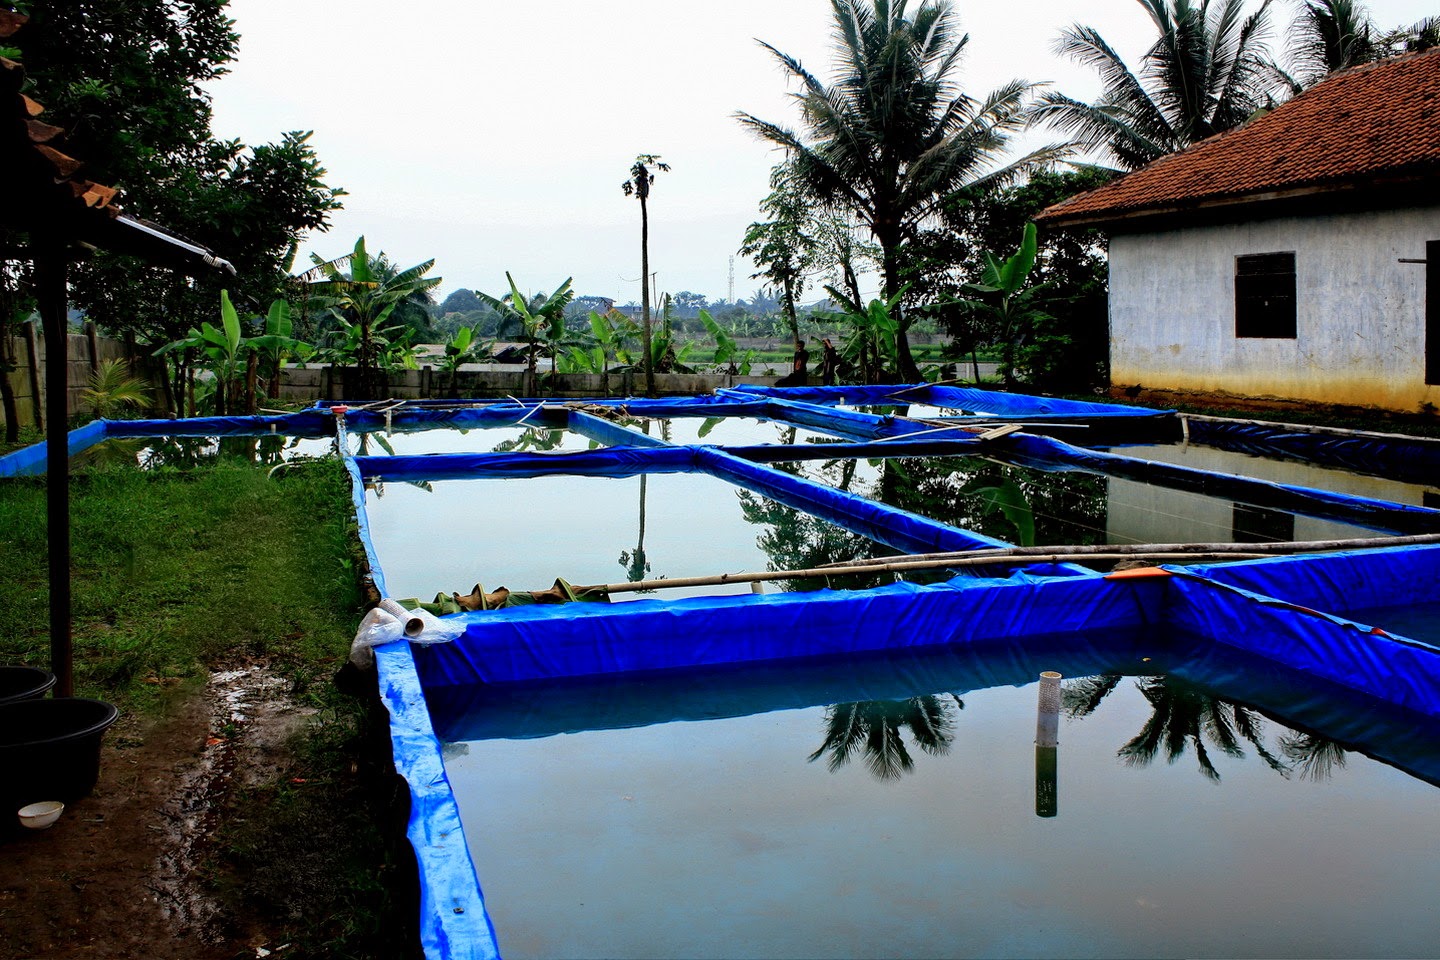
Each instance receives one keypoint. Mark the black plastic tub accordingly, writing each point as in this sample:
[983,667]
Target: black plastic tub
[50,750]
[24,683]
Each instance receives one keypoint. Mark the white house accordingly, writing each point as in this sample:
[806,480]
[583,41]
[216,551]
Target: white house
[1295,257]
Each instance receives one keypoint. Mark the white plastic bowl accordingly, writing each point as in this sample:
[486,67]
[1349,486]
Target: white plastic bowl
[38,816]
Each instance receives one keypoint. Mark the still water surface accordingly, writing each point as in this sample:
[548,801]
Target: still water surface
[1186,824]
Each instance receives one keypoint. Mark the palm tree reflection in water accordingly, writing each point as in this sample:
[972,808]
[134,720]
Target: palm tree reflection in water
[873,729]
[1184,714]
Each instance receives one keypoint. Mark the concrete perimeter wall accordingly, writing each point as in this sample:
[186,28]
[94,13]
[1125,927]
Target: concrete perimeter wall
[85,351]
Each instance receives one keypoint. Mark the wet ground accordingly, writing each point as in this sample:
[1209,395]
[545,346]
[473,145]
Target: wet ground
[121,874]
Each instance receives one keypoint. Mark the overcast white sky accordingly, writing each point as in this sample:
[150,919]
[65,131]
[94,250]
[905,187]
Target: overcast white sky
[495,136]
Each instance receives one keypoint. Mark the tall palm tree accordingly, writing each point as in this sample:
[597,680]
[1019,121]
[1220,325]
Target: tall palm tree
[1207,71]
[894,134]
[638,185]
[1329,35]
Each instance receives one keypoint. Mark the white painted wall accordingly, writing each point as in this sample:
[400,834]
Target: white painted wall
[1360,314]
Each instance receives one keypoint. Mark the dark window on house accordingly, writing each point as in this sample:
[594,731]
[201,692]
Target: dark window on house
[1265,295]
[1431,499]
[1432,312]
[1261,525]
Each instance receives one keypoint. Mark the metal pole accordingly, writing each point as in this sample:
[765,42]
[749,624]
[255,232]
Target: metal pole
[50,284]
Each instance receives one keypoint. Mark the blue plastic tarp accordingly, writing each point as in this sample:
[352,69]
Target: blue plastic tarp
[30,461]
[1046,453]
[583,639]
[1399,672]
[1410,459]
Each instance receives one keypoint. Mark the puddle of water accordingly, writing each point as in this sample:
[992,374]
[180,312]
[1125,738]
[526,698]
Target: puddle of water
[1169,821]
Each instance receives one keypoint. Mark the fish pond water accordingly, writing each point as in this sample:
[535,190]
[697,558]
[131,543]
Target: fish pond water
[898,806]
[524,533]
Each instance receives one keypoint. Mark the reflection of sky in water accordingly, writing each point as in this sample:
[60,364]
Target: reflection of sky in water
[474,440]
[523,533]
[1066,506]
[717,838]
[1294,472]
[730,431]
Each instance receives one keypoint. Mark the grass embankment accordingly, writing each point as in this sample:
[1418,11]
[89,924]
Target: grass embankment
[179,573]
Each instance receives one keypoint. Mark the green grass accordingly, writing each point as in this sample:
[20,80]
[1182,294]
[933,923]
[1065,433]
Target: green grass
[177,573]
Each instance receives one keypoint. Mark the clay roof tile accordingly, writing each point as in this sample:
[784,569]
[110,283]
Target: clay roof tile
[1375,122]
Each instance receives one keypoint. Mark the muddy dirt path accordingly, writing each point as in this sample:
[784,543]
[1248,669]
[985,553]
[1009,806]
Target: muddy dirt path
[121,874]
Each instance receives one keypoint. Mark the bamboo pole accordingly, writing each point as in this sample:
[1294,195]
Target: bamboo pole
[898,566]
[1314,428]
[1156,553]
[1080,550]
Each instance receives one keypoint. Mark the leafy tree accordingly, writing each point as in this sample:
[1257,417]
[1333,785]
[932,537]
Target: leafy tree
[461,301]
[893,134]
[691,302]
[1071,263]
[638,185]
[1207,71]
[126,81]
[782,248]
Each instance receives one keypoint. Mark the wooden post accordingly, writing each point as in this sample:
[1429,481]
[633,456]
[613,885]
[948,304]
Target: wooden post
[50,287]
[92,335]
[37,394]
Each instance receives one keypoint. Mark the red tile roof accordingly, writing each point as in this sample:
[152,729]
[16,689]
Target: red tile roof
[40,180]
[1376,122]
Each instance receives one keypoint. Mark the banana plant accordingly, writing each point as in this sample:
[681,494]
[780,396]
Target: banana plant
[870,333]
[726,348]
[222,347]
[364,299]
[1013,309]
[540,322]
[276,345]
[464,347]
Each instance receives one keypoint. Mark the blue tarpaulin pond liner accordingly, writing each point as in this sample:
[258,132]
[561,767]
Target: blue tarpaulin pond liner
[1295,616]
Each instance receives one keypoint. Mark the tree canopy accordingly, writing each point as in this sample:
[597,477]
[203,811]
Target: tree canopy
[893,133]
[1207,71]
[125,79]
